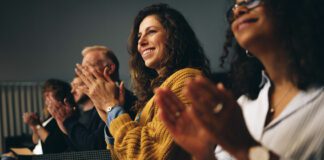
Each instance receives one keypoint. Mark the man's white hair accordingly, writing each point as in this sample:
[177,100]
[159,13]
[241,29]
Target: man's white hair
[88,49]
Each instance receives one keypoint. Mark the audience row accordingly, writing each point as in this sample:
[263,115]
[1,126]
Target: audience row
[271,109]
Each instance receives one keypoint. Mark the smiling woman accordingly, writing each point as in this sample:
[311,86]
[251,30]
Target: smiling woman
[151,42]
[161,43]
[165,52]
[280,112]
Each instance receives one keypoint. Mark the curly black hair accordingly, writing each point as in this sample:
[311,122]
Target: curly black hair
[298,24]
[182,50]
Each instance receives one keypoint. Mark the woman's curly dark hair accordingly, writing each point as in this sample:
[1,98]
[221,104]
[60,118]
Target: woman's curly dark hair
[298,24]
[182,50]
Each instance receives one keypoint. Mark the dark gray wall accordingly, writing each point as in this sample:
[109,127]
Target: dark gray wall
[41,39]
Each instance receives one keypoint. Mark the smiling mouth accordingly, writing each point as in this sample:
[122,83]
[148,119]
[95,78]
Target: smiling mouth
[246,23]
[147,52]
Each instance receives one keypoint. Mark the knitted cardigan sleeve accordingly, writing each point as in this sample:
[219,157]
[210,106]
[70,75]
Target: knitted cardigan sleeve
[148,138]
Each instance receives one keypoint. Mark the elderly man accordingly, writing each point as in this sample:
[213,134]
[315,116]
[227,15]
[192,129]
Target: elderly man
[86,132]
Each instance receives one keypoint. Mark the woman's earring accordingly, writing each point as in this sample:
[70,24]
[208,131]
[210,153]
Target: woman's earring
[248,54]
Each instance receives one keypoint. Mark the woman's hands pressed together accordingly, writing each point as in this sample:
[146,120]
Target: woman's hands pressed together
[213,118]
[217,111]
[178,120]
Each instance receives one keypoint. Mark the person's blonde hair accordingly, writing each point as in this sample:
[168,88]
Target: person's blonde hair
[88,49]
[108,53]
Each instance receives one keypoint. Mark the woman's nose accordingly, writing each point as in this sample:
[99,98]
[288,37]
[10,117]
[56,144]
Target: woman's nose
[239,10]
[142,41]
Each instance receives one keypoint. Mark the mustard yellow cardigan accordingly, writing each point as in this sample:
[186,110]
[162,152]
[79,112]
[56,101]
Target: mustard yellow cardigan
[148,138]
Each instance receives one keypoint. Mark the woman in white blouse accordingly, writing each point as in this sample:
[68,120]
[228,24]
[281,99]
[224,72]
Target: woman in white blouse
[275,54]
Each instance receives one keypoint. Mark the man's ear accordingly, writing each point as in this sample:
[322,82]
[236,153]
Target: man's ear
[109,70]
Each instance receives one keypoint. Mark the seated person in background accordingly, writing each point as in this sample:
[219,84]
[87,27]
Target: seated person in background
[87,110]
[46,134]
[164,52]
[86,130]
[83,127]
[281,112]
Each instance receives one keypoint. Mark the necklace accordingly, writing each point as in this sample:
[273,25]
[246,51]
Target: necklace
[272,107]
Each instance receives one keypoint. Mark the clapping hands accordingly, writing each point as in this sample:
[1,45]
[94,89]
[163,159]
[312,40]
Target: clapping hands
[31,119]
[60,111]
[101,89]
[214,112]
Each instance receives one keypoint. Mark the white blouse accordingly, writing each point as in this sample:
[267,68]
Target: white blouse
[297,133]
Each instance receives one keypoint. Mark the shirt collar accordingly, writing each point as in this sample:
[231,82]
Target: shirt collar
[264,79]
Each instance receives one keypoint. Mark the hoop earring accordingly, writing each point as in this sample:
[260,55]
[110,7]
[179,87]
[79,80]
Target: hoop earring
[248,54]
